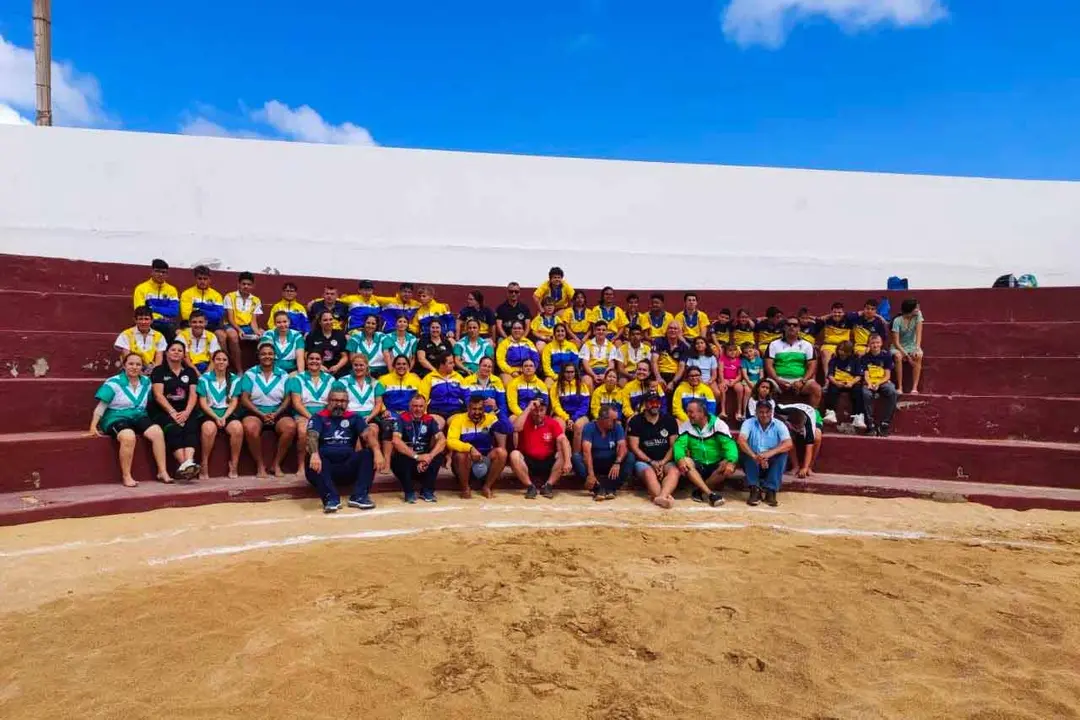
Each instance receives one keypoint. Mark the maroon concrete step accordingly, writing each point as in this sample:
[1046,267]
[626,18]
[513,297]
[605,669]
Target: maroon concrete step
[1039,376]
[52,275]
[44,353]
[50,460]
[46,404]
[1002,339]
[94,500]
[62,312]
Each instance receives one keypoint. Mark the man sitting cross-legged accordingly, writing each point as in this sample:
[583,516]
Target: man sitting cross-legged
[336,452]
[477,440]
[705,453]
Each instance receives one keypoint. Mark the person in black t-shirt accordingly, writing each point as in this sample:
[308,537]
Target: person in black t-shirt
[329,302]
[510,312]
[651,439]
[173,386]
[431,346]
[330,344]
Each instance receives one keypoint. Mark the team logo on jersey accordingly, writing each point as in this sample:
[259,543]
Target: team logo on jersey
[663,433]
[547,437]
[183,378]
[344,423]
[333,343]
[423,429]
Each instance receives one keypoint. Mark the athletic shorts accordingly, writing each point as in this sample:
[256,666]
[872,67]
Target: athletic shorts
[641,466]
[138,425]
[539,468]
[705,471]
[245,331]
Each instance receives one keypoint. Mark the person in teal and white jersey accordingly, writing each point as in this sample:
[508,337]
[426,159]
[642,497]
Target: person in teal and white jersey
[472,348]
[267,407]
[288,344]
[219,400]
[310,390]
[121,412]
[365,399]
[399,343]
[368,342]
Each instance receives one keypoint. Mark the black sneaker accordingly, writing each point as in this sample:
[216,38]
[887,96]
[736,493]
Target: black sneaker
[871,430]
[697,496]
[331,506]
[755,495]
[770,498]
[883,430]
[547,491]
[530,492]
[716,499]
[363,503]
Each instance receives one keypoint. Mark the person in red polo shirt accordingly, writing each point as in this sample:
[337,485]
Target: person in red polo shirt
[541,449]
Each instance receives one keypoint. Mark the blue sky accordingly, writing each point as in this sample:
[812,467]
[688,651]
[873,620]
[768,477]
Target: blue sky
[964,87]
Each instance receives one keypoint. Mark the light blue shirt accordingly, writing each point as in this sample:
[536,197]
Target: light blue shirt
[762,439]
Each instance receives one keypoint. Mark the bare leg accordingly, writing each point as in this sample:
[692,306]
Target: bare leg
[233,339]
[497,459]
[253,435]
[916,373]
[742,394]
[156,438]
[668,485]
[235,431]
[813,393]
[127,440]
[462,469]
[690,473]
[521,470]
[301,445]
[208,432]
[579,426]
[286,432]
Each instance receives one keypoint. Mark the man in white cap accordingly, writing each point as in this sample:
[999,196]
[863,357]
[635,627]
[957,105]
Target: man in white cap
[477,441]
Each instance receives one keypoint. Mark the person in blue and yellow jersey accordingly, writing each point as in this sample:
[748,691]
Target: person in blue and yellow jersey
[612,314]
[428,309]
[476,440]
[598,354]
[443,390]
[368,341]
[288,344]
[476,310]
[692,389]
[577,318]
[329,302]
[632,352]
[557,354]
[556,288]
[401,305]
[524,388]
[634,316]
[669,355]
[161,297]
[486,383]
[362,305]
[399,387]
[201,296]
[769,328]
[570,403]
[742,330]
[694,322]
[656,321]
[609,394]
[242,311]
[720,331]
[472,347]
[835,329]
[867,323]
[297,311]
[199,345]
[542,327]
[643,384]
[809,326]
[143,340]
[513,351]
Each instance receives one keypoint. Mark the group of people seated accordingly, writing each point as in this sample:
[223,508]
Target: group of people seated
[364,383]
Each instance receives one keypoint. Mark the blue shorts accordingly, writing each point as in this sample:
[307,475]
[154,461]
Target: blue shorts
[244,331]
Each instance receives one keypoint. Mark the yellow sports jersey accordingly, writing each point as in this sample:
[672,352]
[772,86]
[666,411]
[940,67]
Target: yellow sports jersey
[199,349]
[561,295]
[244,308]
[616,398]
[432,309]
[684,394]
[286,306]
[614,316]
[654,329]
[693,326]
[145,346]
[463,435]
[630,357]
[193,295]
[542,327]
[148,291]
[578,322]
[743,334]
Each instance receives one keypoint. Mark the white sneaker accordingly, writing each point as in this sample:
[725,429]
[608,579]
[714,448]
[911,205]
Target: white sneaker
[858,422]
[830,417]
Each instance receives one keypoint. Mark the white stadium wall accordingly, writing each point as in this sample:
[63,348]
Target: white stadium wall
[459,218]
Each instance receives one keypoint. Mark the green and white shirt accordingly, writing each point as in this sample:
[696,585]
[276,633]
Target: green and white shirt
[406,347]
[313,392]
[266,392]
[790,359]
[284,350]
[218,392]
[372,350]
[362,396]
[123,403]
[471,354]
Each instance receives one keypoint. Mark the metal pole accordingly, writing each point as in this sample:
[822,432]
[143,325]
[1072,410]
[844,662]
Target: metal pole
[43,60]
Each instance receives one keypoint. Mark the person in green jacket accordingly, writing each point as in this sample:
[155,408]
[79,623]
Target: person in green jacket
[705,453]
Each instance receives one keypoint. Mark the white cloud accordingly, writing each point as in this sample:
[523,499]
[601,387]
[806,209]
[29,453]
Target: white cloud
[11,116]
[76,96]
[275,120]
[768,22]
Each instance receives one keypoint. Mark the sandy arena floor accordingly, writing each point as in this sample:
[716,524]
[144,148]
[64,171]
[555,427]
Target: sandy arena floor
[825,608]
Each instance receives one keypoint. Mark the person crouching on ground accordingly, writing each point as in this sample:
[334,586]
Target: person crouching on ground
[602,460]
[418,446]
[705,453]
[336,453]
[765,441]
[541,450]
[477,441]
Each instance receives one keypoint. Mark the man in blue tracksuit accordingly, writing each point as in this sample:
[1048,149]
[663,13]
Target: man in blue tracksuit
[336,453]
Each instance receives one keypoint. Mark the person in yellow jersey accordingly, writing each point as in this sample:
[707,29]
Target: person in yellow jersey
[769,328]
[598,354]
[143,340]
[428,309]
[557,354]
[719,333]
[362,305]
[542,327]
[669,355]
[476,440]
[296,310]
[570,398]
[476,310]
[161,297]
[742,330]
[643,384]
[243,308]
[609,394]
[401,305]
[513,351]
[633,312]
[694,322]
[556,288]
[631,353]
[525,388]
[657,320]
[332,303]
[577,318]
[692,389]
[199,344]
[201,296]
[611,314]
